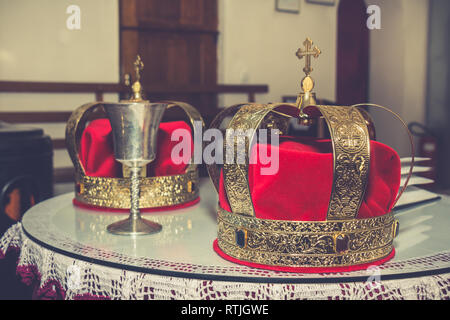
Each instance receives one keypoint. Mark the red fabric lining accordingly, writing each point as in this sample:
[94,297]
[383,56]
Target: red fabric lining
[97,153]
[302,269]
[97,157]
[301,189]
[303,183]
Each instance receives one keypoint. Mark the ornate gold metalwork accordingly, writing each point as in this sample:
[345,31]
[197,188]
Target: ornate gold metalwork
[235,175]
[395,228]
[351,149]
[341,240]
[307,53]
[114,192]
[307,97]
[155,191]
[305,244]
[351,159]
[240,133]
[214,168]
[274,120]
[304,227]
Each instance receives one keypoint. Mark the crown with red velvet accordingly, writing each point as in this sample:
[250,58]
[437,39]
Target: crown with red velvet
[102,182]
[327,205]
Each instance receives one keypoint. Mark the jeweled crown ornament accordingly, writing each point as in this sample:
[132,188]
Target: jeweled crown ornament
[111,142]
[327,207]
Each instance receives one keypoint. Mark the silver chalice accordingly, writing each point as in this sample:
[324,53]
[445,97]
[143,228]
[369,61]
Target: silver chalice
[135,126]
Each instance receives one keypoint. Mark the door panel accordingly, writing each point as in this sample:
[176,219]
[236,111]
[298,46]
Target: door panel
[177,41]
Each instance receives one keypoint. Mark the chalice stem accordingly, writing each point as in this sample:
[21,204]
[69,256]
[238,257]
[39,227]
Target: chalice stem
[135,192]
[134,224]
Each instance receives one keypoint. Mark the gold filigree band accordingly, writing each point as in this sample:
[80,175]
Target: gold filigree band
[239,135]
[305,244]
[155,191]
[248,117]
[214,168]
[351,159]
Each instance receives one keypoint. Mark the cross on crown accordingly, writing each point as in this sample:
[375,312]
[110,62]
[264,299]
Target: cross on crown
[307,97]
[308,52]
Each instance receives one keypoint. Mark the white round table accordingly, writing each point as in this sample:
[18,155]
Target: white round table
[69,254]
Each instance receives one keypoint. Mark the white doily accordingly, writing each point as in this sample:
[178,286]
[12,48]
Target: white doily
[59,276]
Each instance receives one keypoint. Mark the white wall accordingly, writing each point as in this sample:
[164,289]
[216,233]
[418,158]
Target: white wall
[257,45]
[398,66]
[35,45]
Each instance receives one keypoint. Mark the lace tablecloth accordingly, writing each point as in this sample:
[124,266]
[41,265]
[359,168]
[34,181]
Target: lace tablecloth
[59,276]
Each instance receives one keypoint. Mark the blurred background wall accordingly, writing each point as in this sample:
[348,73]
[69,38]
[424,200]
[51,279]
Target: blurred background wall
[36,45]
[256,44]
[398,66]
[438,86]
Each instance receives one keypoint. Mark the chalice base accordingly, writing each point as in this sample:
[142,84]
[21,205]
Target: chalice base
[136,227]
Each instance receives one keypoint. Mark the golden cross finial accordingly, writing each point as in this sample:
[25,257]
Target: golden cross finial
[308,52]
[307,97]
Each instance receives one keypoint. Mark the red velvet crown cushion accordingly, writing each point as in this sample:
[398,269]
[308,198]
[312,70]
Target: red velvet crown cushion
[301,189]
[97,154]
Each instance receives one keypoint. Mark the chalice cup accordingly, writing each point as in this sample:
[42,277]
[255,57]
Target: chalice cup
[135,128]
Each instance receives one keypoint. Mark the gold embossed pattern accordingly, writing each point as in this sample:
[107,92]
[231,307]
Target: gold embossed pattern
[351,159]
[306,244]
[155,191]
[300,260]
[339,241]
[214,168]
[248,119]
[235,174]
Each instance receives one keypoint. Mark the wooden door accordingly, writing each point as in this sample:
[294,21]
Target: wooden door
[353,53]
[177,43]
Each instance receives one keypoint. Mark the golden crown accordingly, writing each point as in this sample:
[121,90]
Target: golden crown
[107,192]
[339,241]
